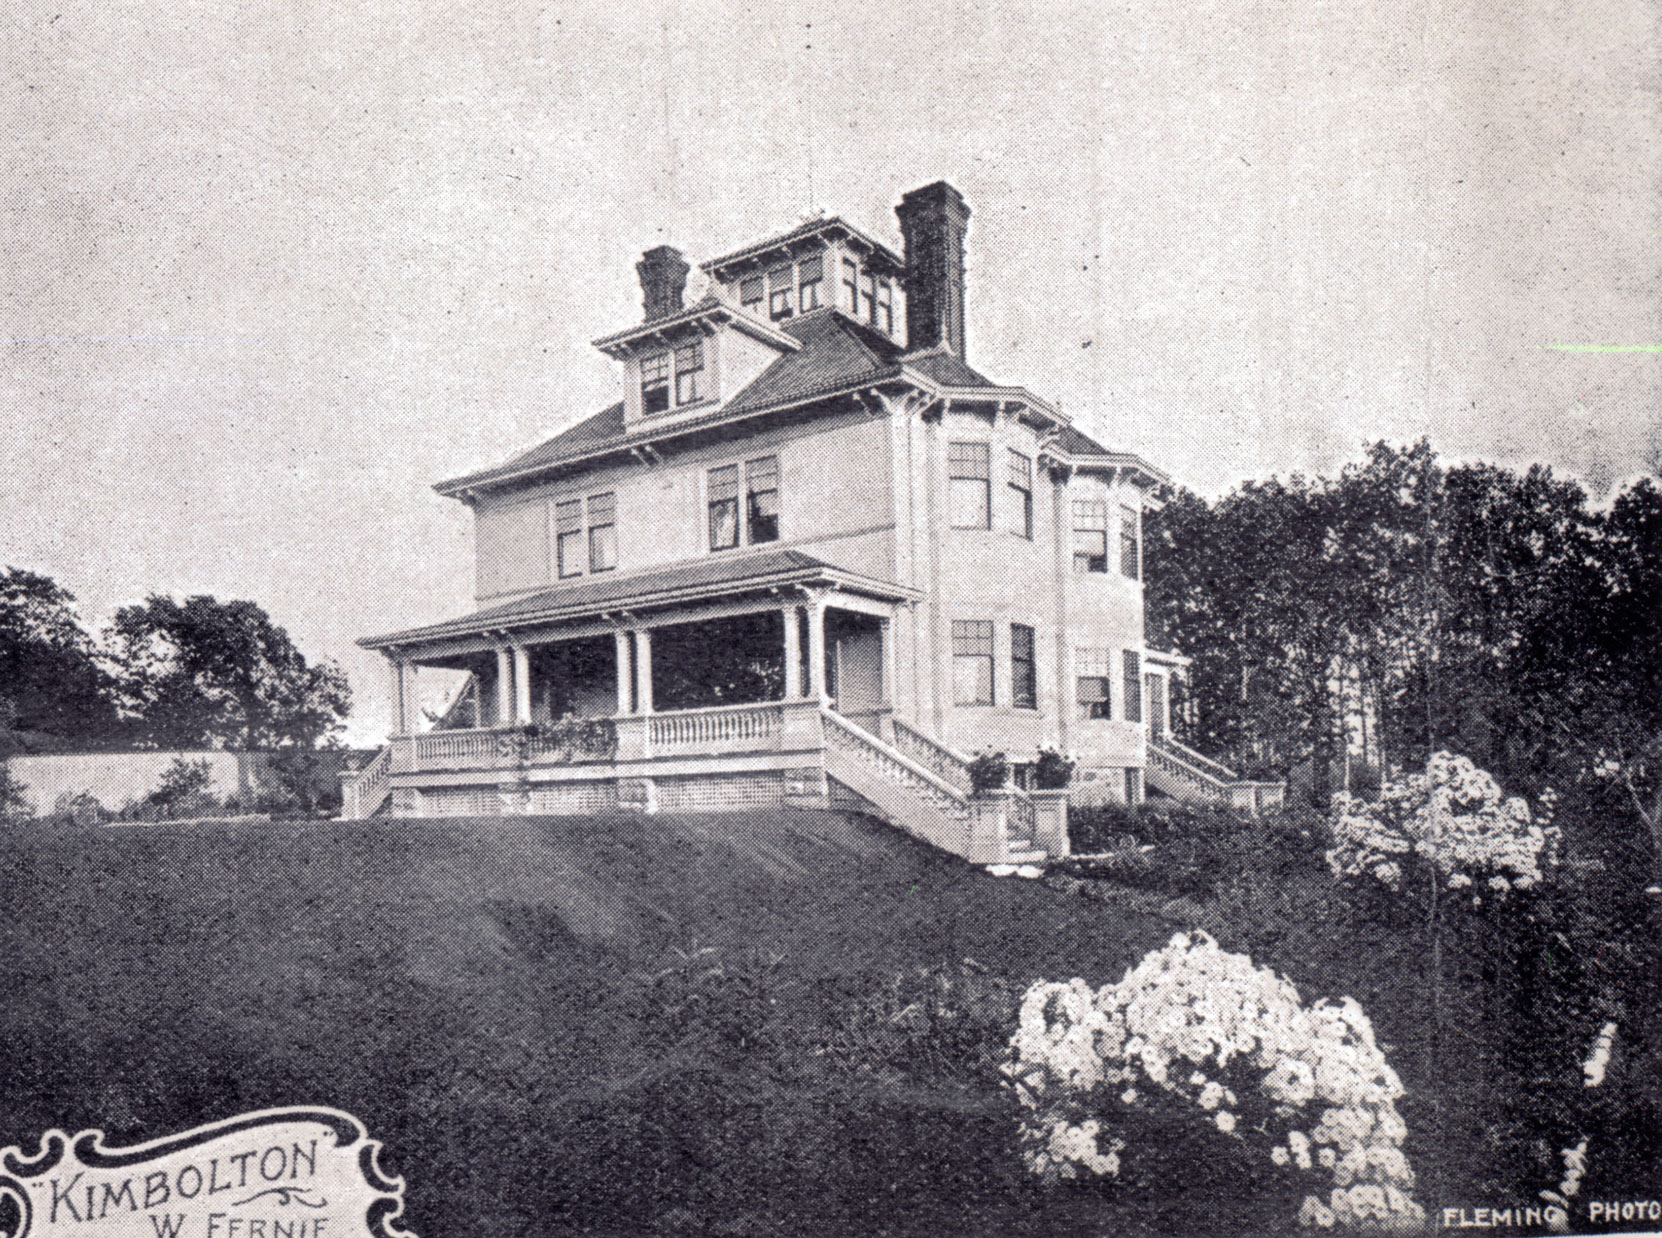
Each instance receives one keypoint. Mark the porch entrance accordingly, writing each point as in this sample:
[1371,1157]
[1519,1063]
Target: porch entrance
[854,662]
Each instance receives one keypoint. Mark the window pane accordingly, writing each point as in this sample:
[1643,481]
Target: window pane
[809,273]
[1024,685]
[686,387]
[1021,471]
[724,507]
[762,506]
[1130,544]
[602,548]
[968,460]
[1133,686]
[972,681]
[602,508]
[750,291]
[851,286]
[655,383]
[1091,691]
[781,281]
[570,551]
[724,524]
[969,503]
[1090,550]
[568,516]
[972,636]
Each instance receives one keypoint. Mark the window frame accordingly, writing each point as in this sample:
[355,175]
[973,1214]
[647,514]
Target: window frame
[1131,542]
[694,349]
[959,456]
[1132,688]
[609,500]
[809,289]
[781,292]
[1093,665]
[724,501]
[1024,687]
[1094,511]
[760,282]
[851,284]
[1020,479]
[657,379]
[562,532]
[752,494]
[885,306]
[974,640]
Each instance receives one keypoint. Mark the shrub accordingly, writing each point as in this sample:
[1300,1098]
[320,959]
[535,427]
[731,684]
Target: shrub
[1452,822]
[1230,1043]
[14,805]
[989,771]
[1052,771]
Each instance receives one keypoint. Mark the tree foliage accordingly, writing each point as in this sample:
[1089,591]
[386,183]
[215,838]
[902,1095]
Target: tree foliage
[59,695]
[1463,607]
[205,673]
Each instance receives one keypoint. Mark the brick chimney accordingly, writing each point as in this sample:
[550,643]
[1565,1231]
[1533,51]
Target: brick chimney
[933,221]
[663,273]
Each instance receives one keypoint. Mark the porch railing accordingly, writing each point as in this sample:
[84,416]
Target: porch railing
[723,728]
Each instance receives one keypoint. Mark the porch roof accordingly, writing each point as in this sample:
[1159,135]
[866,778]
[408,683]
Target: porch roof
[705,579]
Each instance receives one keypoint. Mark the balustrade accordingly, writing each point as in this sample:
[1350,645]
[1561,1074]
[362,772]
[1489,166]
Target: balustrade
[735,728]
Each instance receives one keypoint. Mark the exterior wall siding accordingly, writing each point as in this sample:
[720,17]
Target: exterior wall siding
[828,510]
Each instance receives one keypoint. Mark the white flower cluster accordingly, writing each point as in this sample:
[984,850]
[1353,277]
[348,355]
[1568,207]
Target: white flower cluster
[1598,1061]
[1455,817]
[1192,1020]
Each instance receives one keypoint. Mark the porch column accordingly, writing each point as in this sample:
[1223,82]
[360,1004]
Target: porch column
[622,639]
[887,660]
[816,649]
[403,695]
[522,685]
[643,669]
[504,686]
[793,653]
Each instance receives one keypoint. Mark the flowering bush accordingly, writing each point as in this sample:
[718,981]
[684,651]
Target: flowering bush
[989,771]
[1053,770]
[1234,1044]
[1453,818]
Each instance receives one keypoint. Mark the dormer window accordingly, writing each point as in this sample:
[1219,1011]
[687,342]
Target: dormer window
[868,298]
[750,293]
[884,321]
[689,371]
[781,283]
[851,286]
[655,383]
[810,275]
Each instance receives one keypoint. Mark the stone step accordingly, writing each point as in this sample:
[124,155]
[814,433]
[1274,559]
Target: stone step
[1026,855]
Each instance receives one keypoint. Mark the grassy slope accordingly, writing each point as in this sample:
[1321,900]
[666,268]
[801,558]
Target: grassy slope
[488,996]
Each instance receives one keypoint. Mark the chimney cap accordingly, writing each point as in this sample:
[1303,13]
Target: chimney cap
[940,194]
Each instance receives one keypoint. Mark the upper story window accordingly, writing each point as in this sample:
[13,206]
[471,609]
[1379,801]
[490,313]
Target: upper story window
[682,368]
[689,372]
[723,503]
[602,532]
[810,275]
[751,291]
[1131,548]
[1133,686]
[781,283]
[1090,535]
[1021,492]
[761,484]
[883,317]
[760,481]
[1024,678]
[970,486]
[655,383]
[568,537]
[851,286]
[1091,671]
[972,662]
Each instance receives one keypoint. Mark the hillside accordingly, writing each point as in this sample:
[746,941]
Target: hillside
[677,1024]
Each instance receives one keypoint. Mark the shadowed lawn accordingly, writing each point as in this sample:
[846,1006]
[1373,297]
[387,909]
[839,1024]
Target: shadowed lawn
[614,1024]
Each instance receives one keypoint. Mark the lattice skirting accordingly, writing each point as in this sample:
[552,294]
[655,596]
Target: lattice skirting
[573,797]
[461,802]
[717,792]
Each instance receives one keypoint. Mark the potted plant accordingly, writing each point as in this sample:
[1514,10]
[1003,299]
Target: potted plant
[989,771]
[1052,771]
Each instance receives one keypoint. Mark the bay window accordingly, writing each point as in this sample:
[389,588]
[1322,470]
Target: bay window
[1090,535]
[1024,679]
[1021,486]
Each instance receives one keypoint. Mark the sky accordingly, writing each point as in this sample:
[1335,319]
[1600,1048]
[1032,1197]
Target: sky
[271,271]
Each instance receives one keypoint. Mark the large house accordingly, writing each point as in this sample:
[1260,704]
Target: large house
[812,556]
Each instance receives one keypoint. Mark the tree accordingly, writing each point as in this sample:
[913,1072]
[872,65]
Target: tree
[205,673]
[60,696]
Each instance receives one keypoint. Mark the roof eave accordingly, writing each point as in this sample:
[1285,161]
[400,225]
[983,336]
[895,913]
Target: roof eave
[619,344]
[853,582]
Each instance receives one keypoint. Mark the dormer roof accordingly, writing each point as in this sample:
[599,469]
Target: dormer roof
[829,229]
[709,309]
